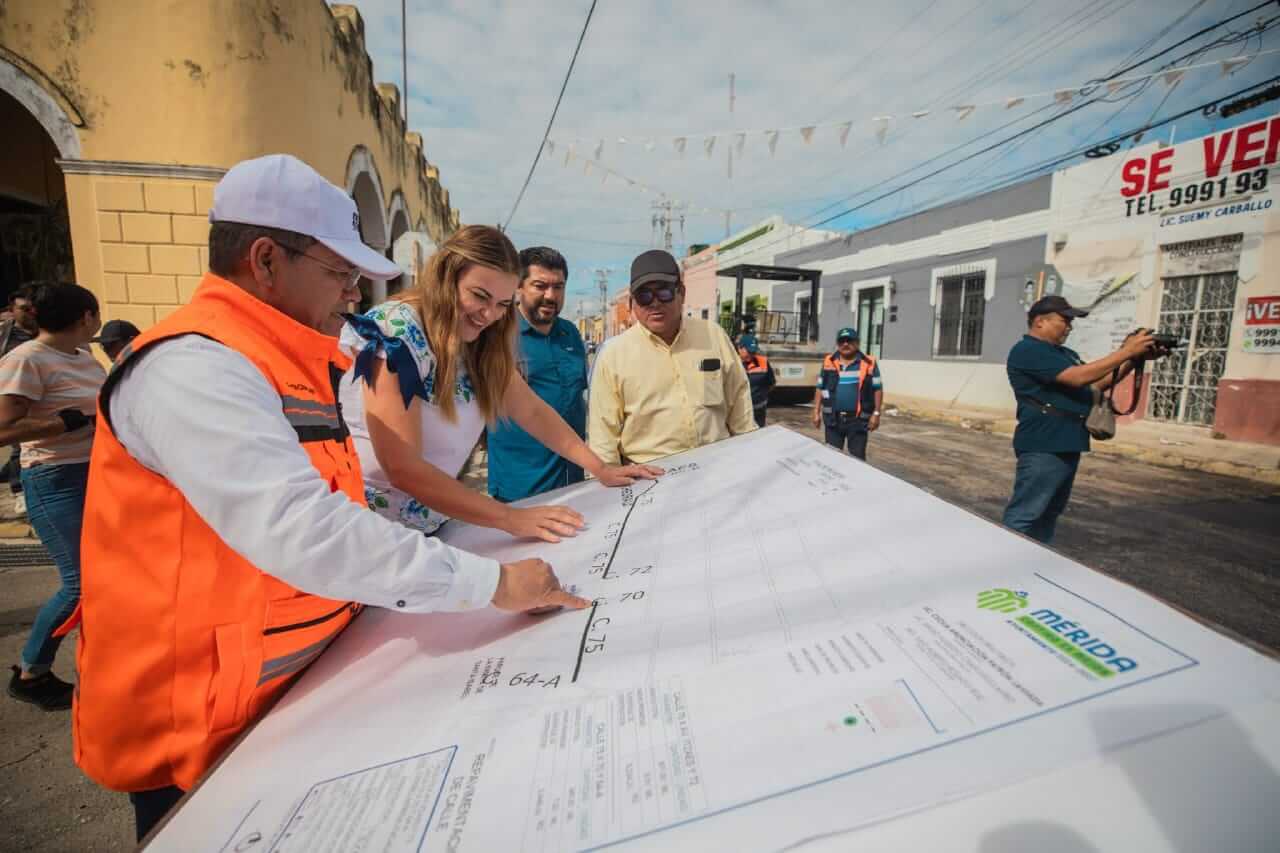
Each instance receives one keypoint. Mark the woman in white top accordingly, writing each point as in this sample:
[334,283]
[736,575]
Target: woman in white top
[430,371]
[48,392]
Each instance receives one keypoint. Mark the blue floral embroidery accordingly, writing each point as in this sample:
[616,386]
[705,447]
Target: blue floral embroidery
[416,338]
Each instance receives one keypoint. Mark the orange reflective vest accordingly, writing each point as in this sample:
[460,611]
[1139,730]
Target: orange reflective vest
[829,381]
[183,642]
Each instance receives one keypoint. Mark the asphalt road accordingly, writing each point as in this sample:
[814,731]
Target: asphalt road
[1203,542]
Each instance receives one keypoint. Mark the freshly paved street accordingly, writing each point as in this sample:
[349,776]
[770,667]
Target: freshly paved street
[1203,542]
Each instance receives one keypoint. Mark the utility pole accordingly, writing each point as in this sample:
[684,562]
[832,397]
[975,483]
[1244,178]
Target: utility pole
[663,217]
[404,59]
[732,139]
[602,281]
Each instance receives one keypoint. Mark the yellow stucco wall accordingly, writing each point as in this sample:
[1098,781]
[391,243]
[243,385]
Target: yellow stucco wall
[160,85]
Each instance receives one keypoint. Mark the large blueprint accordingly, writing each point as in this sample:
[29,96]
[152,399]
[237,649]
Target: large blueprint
[786,648]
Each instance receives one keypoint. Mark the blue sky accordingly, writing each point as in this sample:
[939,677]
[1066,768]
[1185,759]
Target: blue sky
[483,78]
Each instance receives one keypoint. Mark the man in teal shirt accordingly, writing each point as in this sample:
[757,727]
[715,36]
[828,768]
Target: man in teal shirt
[554,361]
[1054,389]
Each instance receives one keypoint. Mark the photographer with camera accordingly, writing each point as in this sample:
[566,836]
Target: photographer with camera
[1055,390]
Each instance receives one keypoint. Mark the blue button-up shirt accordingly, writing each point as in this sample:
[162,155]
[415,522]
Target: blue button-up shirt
[555,366]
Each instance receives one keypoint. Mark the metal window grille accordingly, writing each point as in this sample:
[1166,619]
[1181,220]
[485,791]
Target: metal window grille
[962,305]
[1198,309]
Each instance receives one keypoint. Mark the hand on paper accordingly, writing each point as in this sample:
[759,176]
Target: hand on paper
[527,585]
[547,523]
[625,475]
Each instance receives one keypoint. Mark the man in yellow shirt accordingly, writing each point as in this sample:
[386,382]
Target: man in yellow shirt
[669,383]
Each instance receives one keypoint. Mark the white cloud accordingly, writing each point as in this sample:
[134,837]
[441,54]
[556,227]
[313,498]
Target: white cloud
[484,77]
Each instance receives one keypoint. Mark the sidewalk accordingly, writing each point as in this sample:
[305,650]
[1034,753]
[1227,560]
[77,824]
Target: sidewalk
[1154,442]
[14,529]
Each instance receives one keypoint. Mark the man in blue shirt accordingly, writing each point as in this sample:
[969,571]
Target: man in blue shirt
[554,361]
[849,394]
[1055,389]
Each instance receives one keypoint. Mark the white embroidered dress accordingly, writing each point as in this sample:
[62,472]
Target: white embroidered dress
[445,445]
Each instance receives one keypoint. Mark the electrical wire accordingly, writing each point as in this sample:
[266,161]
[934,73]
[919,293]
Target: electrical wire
[542,143]
[1064,113]
[1062,158]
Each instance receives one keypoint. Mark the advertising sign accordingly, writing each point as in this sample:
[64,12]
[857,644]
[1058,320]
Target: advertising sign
[1262,325]
[1230,176]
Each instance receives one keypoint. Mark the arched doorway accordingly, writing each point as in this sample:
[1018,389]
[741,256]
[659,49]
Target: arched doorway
[365,187]
[399,216]
[35,231]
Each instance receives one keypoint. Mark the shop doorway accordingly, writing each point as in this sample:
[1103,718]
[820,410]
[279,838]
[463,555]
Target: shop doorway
[1197,308]
[871,320]
[35,231]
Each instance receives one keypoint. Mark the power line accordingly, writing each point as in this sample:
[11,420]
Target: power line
[1025,173]
[542,143]
[1117,138]
[1063,114]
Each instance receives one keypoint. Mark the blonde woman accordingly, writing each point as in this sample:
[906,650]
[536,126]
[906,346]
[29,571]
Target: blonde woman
[431,369]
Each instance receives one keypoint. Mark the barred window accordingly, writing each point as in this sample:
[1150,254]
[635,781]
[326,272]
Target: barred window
[962,303]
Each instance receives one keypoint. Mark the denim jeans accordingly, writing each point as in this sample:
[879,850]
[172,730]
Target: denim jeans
[1041,490]
[852,434]
[55,507]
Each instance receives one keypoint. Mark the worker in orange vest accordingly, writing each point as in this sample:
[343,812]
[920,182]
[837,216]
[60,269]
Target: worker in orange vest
[760,376]
[226,542]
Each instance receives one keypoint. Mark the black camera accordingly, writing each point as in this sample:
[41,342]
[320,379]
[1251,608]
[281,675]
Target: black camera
[1164,340]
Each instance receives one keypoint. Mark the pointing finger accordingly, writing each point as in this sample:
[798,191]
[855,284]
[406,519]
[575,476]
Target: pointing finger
[560,598]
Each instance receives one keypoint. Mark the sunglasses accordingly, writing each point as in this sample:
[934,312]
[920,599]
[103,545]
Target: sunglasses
[645,295]
[846,340]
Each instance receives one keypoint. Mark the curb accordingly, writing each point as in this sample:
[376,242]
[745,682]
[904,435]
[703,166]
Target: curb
[1142,453]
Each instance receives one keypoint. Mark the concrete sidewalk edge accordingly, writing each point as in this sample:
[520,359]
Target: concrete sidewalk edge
[1166,445]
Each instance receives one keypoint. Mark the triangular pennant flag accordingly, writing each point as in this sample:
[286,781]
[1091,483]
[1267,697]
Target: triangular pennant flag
[604,179]
[1115,86]
[709,144]
[740,142]
[1063,96]
[806,133]
[1013,102]
[844,132]
[964,111]
[1229,65]
[551,148]
[599,150]
[919,113]
[586,168]
[772,137]
[883,130]
[568,155]
[1137,137]
[680,143]
[1171,78]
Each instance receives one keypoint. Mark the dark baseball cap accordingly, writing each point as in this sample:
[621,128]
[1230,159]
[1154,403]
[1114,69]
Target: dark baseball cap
[1054,304]
[654,265]
[847,332]
[115,331]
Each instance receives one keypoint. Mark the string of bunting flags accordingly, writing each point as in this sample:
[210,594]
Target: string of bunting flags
[737,137]
[590,165]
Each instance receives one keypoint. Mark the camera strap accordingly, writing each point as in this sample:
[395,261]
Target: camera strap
[1110,394]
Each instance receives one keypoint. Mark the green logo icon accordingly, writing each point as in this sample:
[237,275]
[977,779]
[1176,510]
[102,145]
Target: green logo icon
[1002,600]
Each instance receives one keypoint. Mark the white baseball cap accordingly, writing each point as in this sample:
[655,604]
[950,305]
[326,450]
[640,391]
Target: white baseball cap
[281,191]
